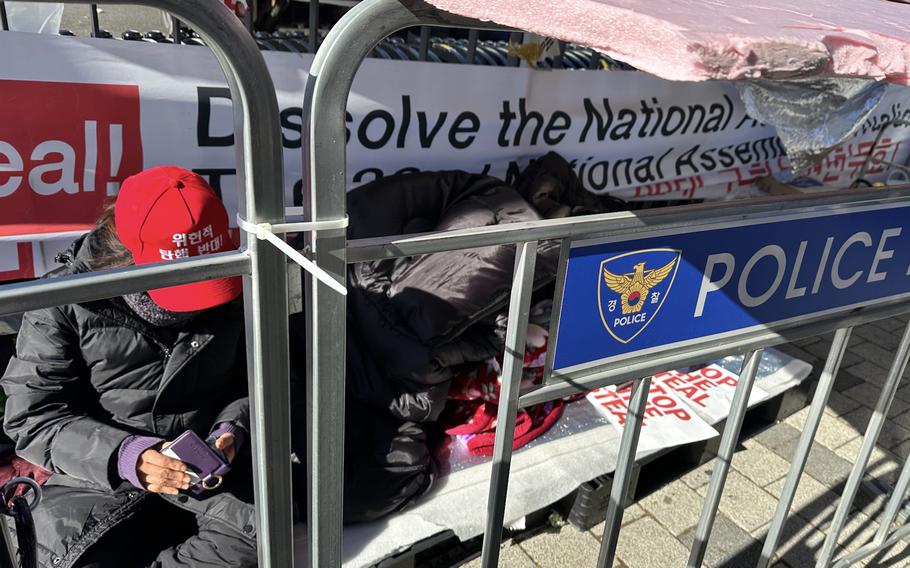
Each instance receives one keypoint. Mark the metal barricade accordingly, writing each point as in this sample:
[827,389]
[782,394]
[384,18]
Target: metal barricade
[331,77]
[261,265]
[263,268]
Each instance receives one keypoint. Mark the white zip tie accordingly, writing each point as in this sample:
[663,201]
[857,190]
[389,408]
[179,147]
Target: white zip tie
[266,231]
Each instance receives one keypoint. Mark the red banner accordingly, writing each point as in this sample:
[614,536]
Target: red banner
[69,147]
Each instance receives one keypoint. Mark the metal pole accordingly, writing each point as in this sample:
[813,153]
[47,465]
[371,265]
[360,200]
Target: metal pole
[4,19]
[325,99]
[594,62]
[177,33]
[617,224]
[25,296]
[705,350]
[801,455]
[724,456]
[513,365]
[628,444]
[869,439]
[897,536]
[260,175]
[96,26]
[559,59]
[898,498]
[884,538]
[473,36]
[324,154]
[424,42]
[314,25]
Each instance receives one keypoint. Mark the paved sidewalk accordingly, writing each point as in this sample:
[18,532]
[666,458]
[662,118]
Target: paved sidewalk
[658,527]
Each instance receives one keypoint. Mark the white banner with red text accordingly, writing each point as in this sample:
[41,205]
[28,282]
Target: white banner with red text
[78,115]
[668,421]
[709,390]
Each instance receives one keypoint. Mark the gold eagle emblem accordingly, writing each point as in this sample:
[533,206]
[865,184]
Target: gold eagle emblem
[633,287]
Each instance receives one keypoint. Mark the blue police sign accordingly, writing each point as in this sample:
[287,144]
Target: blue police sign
[626,297]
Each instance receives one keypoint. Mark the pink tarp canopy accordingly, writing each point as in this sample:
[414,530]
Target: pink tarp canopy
[696,40]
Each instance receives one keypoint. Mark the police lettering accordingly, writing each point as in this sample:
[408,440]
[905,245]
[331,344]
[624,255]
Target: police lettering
[640,317]
[798,272]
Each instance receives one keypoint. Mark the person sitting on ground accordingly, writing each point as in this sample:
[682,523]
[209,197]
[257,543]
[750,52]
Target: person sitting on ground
[98,389]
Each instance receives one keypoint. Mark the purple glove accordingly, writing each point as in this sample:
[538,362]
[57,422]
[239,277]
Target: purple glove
[230,428]
[133,446]
[128,457]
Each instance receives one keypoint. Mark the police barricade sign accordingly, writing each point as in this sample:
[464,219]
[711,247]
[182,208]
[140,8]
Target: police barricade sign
[625,298]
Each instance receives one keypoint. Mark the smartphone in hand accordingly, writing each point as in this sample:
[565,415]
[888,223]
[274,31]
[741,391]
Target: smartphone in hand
[206,463]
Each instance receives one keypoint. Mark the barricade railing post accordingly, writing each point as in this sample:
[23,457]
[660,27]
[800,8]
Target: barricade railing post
[628,447]
[96,25]
[473,36]
[314,26]
[513,365]
[724,457]
[594,62]
[324,154]
[260,171]
[804,446]
[559,61]
[879,414]
[897,500]
[4,19]
[424,42]
[177,32]
[883,536]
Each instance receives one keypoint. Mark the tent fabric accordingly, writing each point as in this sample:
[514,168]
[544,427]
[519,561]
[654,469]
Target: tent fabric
[697,40]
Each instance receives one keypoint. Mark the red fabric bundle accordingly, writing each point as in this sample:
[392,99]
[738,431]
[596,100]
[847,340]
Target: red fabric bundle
[480,431]
[474,398]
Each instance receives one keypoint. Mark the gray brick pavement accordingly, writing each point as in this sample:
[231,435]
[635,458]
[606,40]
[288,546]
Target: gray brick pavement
[675,506]
[662,548]
[566,547]
[658,528]
[760,465]
[730,545]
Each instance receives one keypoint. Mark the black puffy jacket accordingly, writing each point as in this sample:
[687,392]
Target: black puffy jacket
[411,319]
[86,376]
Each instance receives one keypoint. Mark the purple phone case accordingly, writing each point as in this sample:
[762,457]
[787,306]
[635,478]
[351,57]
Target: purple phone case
[199,456]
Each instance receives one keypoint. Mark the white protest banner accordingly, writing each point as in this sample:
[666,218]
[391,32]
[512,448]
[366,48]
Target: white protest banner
[668,422]
[709,390]
[80,114]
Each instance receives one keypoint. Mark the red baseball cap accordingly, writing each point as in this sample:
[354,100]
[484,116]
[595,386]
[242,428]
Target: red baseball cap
[166,213]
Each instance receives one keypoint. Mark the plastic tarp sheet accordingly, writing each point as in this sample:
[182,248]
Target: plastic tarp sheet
[813,116]
[697,40]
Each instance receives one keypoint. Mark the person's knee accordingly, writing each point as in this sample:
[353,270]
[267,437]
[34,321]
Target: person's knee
[215,545]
